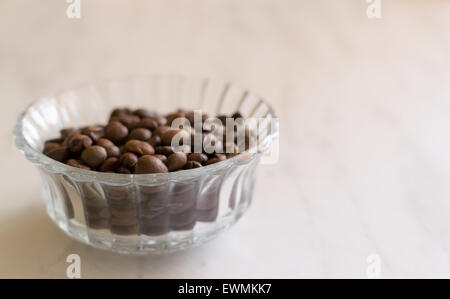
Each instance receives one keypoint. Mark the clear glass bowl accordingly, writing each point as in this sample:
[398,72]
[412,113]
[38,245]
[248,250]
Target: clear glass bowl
[149,212]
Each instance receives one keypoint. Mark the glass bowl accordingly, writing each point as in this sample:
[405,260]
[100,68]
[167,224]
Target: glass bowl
[145,213]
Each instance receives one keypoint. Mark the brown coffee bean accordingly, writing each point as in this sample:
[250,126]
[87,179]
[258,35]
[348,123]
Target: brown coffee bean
[68,132]
[116,132]
[103,142]
[130,121]
[155,140]
[129,160]
[198,157]
[161,130]
[213,161]
[78,164]
[144,113]
[120,111]
[161,157]
[192,165]
[50,146]
[173,116]
[162,121]
[176,161]
[164,150]
[59,153]
[140,134]
[150,164]
[94,156]
[112,151]
[79,142]
[221,157]
[139,147]
[148,123]
[94,132]
[182,135]
[110,164]
[123,170]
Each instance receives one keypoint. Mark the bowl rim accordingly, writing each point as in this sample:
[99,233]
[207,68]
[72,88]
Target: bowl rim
[38,158]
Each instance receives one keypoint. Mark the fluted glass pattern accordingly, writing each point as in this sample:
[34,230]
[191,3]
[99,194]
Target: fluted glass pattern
[141,213]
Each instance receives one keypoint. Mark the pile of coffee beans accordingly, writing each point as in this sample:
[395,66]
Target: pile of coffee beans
[140,141]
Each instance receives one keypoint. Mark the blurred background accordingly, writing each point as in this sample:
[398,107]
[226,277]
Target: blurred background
[363,106]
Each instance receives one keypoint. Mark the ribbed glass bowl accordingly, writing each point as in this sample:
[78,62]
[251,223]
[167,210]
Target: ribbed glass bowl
[146,213]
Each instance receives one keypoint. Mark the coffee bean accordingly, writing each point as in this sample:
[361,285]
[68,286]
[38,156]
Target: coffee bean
[161,130]
[144,113]
[50,146]
[164,150]
[94,156]
[130,121]
[59,153]
[213,161]
[176,161]
[198,157]
[140,134]
[139,147]
[148,123]
[112,151]
[77,163]
[116,132]
[173,116]
[161,157]
[150,164]
[162,121]
[155,140]
[192,165]
[110,164]
[103,142]
[79,142]
[182,135]
[129,160]
[120,111]
[68,132]
[123,170]
[94,132]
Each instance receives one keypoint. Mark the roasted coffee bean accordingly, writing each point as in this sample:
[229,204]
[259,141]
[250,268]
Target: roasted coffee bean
[94,132]
[173,116]
[116,132]
[213,161]
[148,123]
[161,157]
[221,157]
[176,161]
[120,112]
[130,121]
[77,163]
[78,142]
[164,150]
[190,115]
[162,121]
[182,135]
[236,115]
[150,164]
[192,165]
[123,170]
[103,142]
[110,164]
[144,113]
[112,151]
[155,140]
[50,146]
[129,160]
[59,153]
[140,134]
[161,130]
[139,147]
[68,132]
[94,156]
[198,157]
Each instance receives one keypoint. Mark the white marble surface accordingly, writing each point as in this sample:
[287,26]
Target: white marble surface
[364,107]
